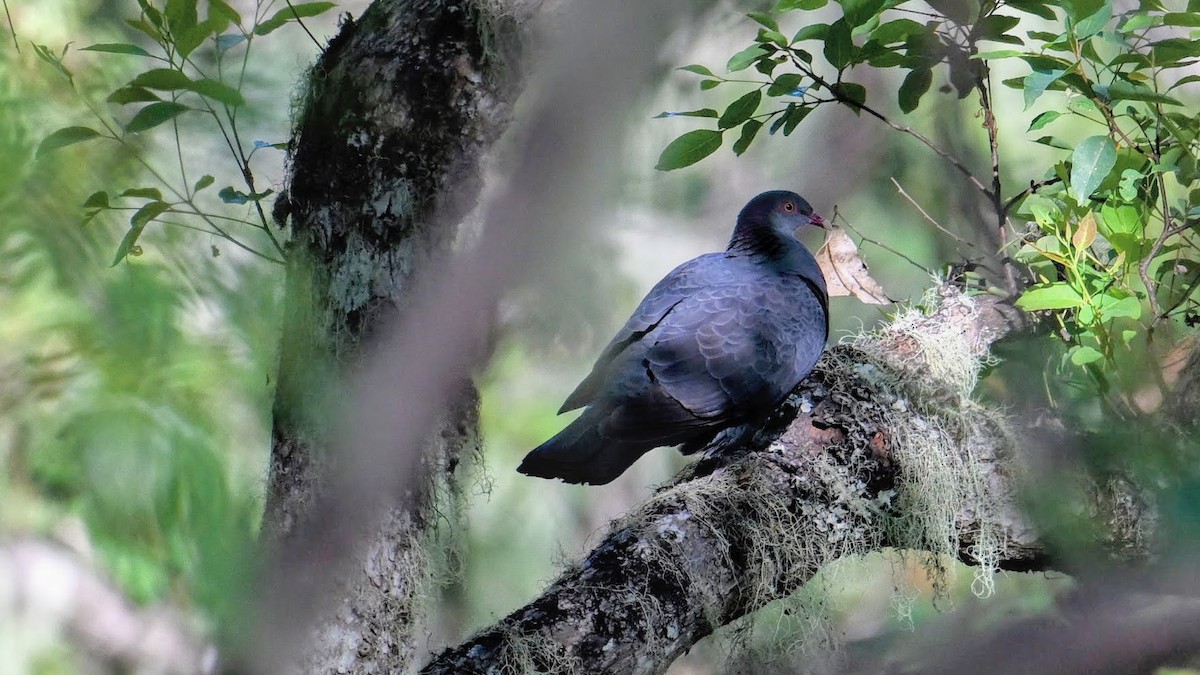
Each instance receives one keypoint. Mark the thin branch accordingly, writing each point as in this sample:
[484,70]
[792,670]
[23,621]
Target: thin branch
[927,216]
[301,22]
[12,28]
[954,161]
[846,223]
[1144,267]
[1034,186]
[989,123]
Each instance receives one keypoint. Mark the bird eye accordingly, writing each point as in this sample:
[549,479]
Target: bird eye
[788,206]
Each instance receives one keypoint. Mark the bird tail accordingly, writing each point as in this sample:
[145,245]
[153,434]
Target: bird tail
[580,454]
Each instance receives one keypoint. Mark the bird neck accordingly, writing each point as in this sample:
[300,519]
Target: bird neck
[786,254]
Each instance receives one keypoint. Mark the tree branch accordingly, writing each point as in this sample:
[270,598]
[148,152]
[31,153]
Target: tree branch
[881,446]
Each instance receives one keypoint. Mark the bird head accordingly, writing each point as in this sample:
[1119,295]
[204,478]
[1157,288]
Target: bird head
[779,212]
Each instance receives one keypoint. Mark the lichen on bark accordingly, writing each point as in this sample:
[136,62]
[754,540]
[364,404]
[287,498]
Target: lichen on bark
[392,125]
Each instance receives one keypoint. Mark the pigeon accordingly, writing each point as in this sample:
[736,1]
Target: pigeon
[711,351]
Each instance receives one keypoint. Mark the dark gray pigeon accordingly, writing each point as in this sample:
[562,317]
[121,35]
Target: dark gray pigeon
[713,349]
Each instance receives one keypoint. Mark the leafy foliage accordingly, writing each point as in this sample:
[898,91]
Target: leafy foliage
[134,401]
[1110,248]
[200,69]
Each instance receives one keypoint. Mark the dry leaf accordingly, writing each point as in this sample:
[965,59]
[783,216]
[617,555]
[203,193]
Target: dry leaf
[846,273]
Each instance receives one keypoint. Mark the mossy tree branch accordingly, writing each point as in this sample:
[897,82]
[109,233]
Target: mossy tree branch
[880,447]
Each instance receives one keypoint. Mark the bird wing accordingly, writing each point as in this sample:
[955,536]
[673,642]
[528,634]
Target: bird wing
[681,283]
[729,350]
[739,348]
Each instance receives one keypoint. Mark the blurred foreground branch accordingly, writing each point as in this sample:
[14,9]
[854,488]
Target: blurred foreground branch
[46,590]
[880,447]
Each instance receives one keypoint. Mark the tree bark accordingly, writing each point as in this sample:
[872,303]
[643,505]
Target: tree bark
[880,447]
[393,123]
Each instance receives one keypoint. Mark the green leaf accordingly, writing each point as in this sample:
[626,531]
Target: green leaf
[995,27]
[96,200]
[127,242]
[204,182]
[1053,142]
[1172,51]
[839,48]
[231,196]
[148,212]
[740,110]
[64,137]
[132,94]
[143,193]
[180,15]
[1112,308]
[914,86]
[795,115]
[703,112]
[959,11]
[302,10]
[745,58]
[1037,81]
[1093,158]
[219,91]
[689,149]
[749,131]
[1128,91]
[1057,295]
[698,69]
[1140,21]
[764,19]
[44,53]
[775,36]
[897,30]
[147,29]
[997,54]
[785,84]
[219,11]
[162,78]
[1119,220]
[1184,80]
[1083,355]
[813,31]
[858,12]
[154,115]
[1043,119]
[789,5]
[1131,180]
[1187,19]
[853,95]
[117,48]
[1093,23]
[193,37]
[1034,7]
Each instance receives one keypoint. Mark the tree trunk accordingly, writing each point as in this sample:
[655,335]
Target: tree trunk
[392,126]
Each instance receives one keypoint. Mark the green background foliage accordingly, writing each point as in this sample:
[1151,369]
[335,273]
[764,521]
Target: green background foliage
[140,295]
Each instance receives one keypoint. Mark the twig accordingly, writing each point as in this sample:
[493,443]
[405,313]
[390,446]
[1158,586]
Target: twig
[12,28]
[838,217]
[955,161]
[989,123]
[926,214]
[1034,186]
[301,22]
[1168,231]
